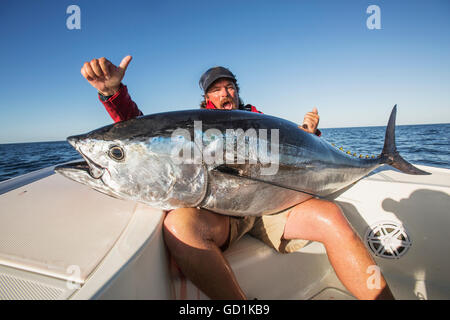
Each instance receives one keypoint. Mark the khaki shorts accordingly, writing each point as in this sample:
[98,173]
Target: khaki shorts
[269,229]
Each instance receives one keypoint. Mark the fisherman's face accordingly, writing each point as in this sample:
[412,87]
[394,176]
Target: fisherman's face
[223,94]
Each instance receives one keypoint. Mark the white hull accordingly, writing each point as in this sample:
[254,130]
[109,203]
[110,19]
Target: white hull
[62,240]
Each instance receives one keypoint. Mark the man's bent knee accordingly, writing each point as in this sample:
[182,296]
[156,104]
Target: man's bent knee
[316,220]
[329,214]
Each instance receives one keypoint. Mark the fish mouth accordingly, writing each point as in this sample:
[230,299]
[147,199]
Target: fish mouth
[81,172]
[88,166]
[74,167]
[95,170]
[80,165]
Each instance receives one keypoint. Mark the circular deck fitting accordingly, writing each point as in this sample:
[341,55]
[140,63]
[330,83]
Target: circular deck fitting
[388,239]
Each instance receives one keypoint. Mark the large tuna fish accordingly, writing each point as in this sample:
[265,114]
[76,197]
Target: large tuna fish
[231,162]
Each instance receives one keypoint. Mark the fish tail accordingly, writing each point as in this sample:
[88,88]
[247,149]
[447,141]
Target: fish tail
[390,155]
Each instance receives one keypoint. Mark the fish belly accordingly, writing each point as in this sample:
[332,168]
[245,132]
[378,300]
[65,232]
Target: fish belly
[235,196]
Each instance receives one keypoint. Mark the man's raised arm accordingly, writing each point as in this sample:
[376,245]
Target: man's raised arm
[107,79]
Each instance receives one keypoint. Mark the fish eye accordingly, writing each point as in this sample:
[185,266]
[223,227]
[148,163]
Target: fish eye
[116,153]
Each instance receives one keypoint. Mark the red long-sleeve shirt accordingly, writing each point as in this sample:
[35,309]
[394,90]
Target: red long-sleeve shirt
[120,106]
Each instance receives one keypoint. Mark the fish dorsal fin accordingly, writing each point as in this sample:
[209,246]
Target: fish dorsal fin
[233,171]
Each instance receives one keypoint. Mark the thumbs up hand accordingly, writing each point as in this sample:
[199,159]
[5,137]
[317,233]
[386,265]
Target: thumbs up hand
[105,76]
[311,121]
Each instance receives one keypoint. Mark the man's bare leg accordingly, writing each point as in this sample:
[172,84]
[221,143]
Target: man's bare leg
[194,237]
[323,221]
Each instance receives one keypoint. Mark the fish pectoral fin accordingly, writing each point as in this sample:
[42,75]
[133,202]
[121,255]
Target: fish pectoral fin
[234,171]
[229,170]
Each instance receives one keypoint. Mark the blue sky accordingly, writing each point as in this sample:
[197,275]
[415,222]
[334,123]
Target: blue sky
[288,57]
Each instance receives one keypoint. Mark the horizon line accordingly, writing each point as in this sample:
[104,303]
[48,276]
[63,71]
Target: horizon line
[370,126]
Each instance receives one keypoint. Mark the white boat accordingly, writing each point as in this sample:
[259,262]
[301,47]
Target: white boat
[62,240]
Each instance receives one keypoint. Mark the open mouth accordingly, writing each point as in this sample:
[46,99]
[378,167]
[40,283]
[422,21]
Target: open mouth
[227,105]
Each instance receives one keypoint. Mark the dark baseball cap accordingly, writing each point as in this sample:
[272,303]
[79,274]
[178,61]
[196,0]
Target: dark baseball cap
[212,75]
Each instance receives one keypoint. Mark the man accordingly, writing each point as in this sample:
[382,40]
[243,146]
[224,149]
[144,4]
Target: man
[196,237]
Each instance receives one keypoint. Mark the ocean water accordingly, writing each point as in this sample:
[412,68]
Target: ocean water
[19,158]
[418,144]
